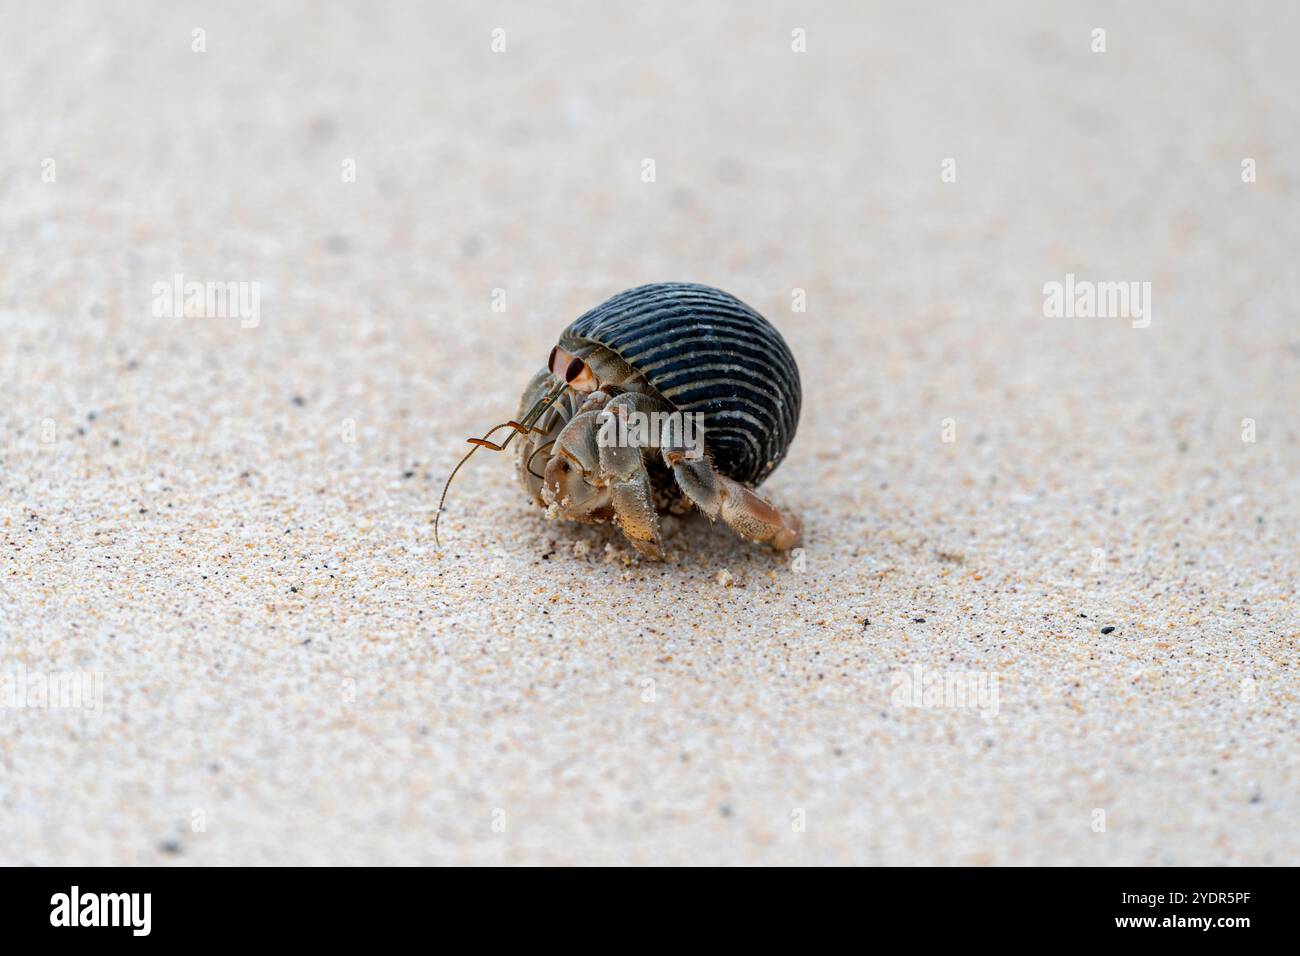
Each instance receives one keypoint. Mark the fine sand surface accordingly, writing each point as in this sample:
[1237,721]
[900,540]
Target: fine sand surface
[229,530]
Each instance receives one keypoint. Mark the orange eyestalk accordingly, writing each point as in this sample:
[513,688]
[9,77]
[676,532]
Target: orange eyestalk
[573,371]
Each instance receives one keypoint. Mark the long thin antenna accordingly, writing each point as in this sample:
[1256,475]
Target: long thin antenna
[536,451]
[520,428]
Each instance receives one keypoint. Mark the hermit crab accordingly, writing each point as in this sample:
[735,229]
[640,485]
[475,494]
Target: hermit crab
[663,397]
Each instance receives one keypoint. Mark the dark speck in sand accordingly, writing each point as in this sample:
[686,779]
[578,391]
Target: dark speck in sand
[725,810]
[1107,629]
[918,620]
[171,847]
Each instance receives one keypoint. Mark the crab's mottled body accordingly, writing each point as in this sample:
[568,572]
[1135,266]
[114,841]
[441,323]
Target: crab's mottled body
[670,349]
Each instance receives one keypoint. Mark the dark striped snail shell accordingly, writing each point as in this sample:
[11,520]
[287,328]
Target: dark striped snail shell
[705,351]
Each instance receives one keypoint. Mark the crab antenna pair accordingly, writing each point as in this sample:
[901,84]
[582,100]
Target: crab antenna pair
[520,428]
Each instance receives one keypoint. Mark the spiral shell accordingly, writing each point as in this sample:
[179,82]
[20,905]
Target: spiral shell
[705,351]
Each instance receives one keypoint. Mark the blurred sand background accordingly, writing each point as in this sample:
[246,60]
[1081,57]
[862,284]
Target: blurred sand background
[293,673]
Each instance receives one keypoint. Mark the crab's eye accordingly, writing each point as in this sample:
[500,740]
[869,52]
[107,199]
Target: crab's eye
[559,362]
[572,370]
[579,377]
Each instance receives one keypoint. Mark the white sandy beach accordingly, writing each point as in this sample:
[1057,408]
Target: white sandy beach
[225,526]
